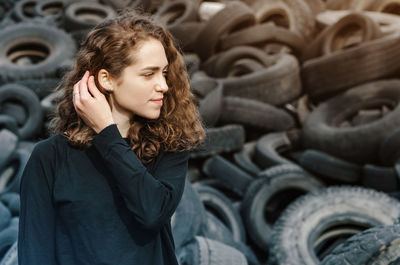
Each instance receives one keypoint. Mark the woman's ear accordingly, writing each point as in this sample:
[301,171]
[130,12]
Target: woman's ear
[104,79]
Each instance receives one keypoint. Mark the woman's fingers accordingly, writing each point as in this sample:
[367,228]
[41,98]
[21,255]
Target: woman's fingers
[93,88]
[83,89]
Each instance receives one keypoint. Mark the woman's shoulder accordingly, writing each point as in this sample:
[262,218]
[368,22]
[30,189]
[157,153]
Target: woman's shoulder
[50,145]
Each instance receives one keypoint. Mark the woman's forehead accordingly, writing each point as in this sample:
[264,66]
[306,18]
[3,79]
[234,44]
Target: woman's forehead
[150,53]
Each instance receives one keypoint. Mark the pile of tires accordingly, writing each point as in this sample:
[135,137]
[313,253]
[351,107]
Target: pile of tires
[300,99]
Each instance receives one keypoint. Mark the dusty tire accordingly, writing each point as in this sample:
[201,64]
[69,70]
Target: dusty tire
[244,158]
[254,114]
[389,150]
[291,14]
[315,223]
[176,12]
[328,128]
[235,14]
[277,84]
[81,15]
[356,24]
[49,48]
[358,65]
[377,245]
[266,152]
[267,197]
[261,34]
[222,139]
[230,176]
[222,207]
[29,100]
[330,167]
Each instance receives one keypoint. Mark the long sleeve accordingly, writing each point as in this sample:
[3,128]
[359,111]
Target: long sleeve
[151,198]
[37,216]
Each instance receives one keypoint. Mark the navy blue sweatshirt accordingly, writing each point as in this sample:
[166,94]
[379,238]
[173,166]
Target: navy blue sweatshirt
[98,205]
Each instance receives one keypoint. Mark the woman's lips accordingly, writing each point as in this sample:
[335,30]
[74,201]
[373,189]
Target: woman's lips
[157,101]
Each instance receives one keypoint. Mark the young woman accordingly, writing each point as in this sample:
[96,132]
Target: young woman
[103,187]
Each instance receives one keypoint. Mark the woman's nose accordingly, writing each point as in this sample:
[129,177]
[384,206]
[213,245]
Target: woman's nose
[161,85]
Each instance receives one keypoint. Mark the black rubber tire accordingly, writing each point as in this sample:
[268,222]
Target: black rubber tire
[49,103]
[52,9]
[15,110]
[228,138]
[30,101]
[60,47]
[188,216]
[12,201]
[358,65]
[218,203]
[192,62]
[297,15]
[5,215]
[369,28]
[204,251]
[95,14]
[229,175]
[359,144]
[377,245]
[330,167]
[244,66]
[235,15]
[24,10]
[11,173]
[389,151]
[9,123]
[7,238]
[11,256]
[177,12]
[214,229]
[261,34]
[268,149]
[268,196]
[211,105]
[277,84]
[244,158]
[8,145]
[201,84]
[186,34]
[221,63]
[309,227]
[380,178]
[255,114]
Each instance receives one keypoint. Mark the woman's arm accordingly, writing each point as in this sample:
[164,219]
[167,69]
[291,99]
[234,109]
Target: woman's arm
[151,198]
[36,234]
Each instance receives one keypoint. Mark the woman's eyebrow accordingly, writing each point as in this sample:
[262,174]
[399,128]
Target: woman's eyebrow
[153,68]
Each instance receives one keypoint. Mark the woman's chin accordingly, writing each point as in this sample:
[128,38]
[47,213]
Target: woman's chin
[150,116]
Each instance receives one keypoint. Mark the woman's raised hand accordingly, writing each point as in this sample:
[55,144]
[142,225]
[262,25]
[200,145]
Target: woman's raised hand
[92,107]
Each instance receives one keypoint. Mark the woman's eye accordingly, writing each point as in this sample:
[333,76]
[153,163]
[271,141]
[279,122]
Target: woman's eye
[148,74]
[165,73]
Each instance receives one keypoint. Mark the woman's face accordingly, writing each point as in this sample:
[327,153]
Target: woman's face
[140,88]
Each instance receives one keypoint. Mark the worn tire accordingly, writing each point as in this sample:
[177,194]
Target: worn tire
[222,207]
[267,197]
[52,45]
[228,138]
[330,167]
[255,114]
[312,225]
[29,100]
[277,84]
[358,64]
[377,245]
[325,128]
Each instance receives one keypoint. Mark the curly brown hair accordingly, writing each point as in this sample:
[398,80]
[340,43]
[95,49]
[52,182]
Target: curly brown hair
[108,46]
